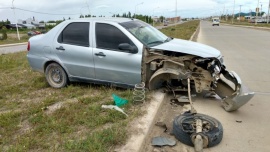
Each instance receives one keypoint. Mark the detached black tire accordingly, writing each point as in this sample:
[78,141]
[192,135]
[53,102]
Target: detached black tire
[56,76]
[183,128]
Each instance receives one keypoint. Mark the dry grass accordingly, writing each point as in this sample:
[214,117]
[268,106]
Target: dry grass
[182,31]
[12,39]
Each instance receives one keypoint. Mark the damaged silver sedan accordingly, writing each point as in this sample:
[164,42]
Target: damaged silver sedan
[124,52]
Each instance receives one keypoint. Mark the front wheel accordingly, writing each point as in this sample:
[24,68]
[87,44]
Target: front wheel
[56,75]
[184,126]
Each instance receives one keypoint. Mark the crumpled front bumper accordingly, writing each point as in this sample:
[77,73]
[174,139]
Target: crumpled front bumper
[231,90]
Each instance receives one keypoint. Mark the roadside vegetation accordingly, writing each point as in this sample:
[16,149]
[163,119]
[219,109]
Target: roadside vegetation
[182,31]
[13,39]
[36,117]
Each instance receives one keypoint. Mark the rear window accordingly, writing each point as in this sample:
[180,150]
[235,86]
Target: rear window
[75,34]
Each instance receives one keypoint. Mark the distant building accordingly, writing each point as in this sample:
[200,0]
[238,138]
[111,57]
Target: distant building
[28,21]
[155,19]
[53,24]
[13,26]
[28,26]
[31,23]
[174,19]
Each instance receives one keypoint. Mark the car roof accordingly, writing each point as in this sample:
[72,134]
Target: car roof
[108,19]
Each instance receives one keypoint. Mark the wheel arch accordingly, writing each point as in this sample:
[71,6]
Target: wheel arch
[161,76]
[53,61]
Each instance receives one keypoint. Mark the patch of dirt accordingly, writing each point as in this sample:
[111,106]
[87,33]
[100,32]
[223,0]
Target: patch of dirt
[25,127]
[15,35]
[168,111]
[139,127]
[50,109]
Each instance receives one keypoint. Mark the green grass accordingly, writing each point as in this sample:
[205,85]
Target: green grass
[27,122]
[36,117]
[182,31]
[11,40]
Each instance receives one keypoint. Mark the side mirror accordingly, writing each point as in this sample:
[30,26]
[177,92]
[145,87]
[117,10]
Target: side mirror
[128,47]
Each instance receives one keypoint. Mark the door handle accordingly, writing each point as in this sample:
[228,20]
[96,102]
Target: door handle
[60,48]
[100,54]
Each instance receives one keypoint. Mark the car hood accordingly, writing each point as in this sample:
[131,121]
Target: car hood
[189,47]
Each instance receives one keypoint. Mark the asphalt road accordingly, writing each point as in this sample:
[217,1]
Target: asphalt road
[246,51]
[12,49]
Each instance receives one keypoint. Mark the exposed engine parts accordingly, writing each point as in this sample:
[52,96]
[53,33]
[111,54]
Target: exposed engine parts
[163,68]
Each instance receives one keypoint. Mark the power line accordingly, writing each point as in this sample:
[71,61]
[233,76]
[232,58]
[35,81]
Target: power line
[21,9]
[5,7]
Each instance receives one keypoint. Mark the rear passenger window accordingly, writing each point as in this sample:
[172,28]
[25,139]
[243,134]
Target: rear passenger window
[109,37]
[75,34]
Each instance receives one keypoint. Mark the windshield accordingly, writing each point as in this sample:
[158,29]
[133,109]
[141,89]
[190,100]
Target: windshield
[145,33]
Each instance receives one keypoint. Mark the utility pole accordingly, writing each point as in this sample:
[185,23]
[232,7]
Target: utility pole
[223,13]
[136,9]
[240,13]
[233,11]
[153,16]
[268,12]
[88,7]
[226,15]
[261,9]
[175,11]
[18,35]
[257,10]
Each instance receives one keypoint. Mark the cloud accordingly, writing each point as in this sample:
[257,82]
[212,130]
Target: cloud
[185,8]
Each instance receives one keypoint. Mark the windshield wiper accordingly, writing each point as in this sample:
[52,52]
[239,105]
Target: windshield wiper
[167,40]
[155,42]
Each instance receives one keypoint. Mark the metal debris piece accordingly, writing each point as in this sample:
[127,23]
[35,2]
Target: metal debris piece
[163,125]
[239,121]
[163,141]
[210,95]
[193,110]
[114,107]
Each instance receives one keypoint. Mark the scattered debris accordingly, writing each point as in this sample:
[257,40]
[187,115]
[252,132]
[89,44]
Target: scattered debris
[163,141]
[163,125]
[210,95]
[114,107]
[139,93]
[239,121]
[119,101]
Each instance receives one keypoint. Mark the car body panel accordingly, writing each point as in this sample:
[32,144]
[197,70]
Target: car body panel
[189,47]
[111,68]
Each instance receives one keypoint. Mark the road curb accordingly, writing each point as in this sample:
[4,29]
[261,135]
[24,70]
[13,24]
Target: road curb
[14,44]
[144,124]
[195,34]
[253,27]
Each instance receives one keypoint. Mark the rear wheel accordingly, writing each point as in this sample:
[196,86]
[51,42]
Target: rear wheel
[56,75]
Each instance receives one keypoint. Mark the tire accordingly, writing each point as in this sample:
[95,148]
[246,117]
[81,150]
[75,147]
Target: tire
[183,130]
[56,75]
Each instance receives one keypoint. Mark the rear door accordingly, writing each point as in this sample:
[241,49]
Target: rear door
[112,64]
[73,48]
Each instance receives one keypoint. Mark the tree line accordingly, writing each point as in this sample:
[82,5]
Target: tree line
[144,18]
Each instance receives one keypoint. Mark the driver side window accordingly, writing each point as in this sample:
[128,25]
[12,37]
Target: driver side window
[109,37]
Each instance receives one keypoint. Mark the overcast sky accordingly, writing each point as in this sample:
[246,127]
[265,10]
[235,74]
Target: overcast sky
[58,9]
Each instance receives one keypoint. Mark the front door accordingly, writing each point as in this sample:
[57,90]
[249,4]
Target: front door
[112,64]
